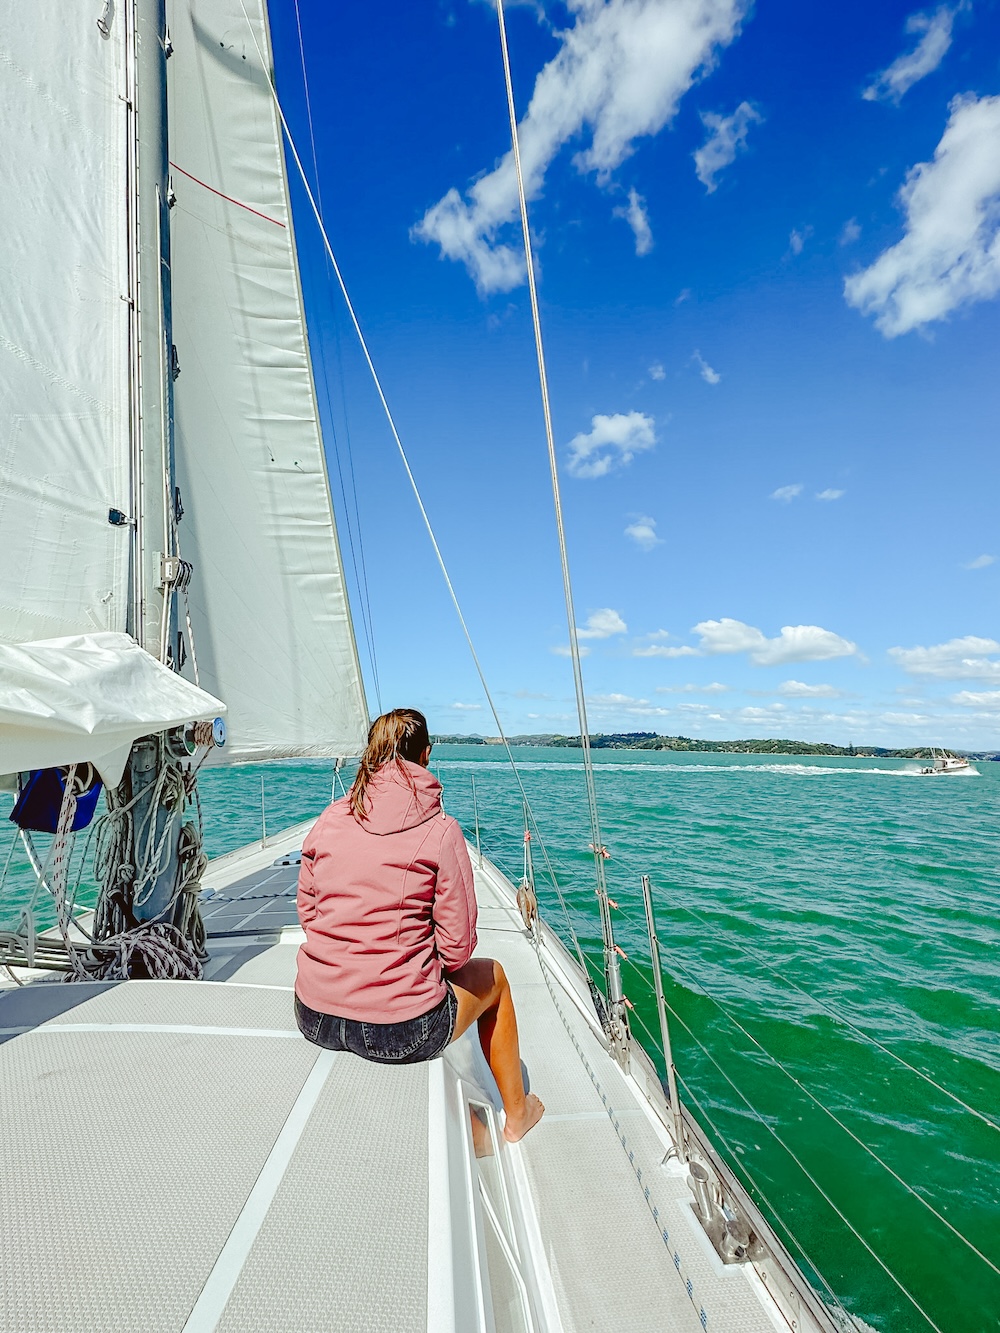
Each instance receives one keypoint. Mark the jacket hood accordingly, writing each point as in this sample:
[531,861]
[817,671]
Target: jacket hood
[400,796]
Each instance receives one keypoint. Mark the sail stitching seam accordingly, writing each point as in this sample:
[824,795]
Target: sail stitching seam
[228,197]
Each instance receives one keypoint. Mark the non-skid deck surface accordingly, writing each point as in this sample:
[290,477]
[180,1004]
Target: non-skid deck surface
[177,1147]
[611,1267]
[261,901]
[138,1120]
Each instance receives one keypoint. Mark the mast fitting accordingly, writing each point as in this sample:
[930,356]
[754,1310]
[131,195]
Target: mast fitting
[175,573]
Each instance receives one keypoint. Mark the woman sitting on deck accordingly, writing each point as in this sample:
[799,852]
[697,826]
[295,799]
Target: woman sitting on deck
[387,902]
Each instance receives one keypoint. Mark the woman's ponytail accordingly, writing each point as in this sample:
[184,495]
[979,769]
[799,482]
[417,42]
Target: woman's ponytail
[401,734]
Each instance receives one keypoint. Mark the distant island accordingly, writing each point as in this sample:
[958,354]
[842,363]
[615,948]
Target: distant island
[649,740]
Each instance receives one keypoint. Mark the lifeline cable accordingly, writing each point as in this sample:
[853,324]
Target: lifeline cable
[700,987]
[835,1014]
[693,981]
[803,1168]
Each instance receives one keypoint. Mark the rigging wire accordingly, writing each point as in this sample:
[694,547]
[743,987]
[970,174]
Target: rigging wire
[599,852]
[398,441]
[360,578]
[574,644]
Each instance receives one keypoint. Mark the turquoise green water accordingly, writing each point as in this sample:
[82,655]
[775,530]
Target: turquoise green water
[872,890]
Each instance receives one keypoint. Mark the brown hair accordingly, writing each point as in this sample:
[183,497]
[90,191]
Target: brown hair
[397,735]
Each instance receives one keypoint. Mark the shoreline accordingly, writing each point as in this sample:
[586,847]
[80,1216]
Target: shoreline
[645,740]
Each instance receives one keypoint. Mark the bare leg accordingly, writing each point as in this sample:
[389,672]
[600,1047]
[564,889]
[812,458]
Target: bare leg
[483,993]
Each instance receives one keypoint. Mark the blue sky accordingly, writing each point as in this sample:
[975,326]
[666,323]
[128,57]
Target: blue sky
[769,250]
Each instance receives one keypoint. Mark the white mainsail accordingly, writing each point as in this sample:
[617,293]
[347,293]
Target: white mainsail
[64,325]
[272,628]
[73,685]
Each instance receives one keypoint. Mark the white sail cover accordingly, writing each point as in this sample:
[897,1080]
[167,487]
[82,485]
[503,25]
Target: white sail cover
[63,323]
[272,628]
[85,699]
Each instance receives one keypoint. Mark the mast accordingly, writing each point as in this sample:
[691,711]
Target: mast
[154,361]
[144,874]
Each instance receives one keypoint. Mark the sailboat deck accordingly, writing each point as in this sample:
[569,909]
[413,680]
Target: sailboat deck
[179,1158]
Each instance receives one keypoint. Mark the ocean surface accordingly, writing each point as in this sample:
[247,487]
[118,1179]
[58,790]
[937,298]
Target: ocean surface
[817,918]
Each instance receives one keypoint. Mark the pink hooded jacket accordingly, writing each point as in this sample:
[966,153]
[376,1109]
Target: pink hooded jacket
[387,905]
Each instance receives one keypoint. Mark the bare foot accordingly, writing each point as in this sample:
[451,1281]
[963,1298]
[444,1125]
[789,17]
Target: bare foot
[517,1126]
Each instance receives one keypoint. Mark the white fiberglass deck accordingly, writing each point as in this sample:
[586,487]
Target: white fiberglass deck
[176,1157]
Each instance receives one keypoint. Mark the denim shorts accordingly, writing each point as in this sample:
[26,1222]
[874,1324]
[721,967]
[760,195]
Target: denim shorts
[408,1043]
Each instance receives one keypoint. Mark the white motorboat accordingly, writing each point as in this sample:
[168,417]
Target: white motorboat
[942,762]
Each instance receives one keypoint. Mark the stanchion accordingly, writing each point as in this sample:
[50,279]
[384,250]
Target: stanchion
[475,807]
[661,1009]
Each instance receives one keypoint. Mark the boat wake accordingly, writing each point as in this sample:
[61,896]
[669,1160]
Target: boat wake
[788,770]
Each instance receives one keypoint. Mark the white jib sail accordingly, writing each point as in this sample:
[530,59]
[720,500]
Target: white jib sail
[64,354]
[272,628]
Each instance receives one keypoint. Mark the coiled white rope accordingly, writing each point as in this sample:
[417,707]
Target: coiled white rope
[111,951]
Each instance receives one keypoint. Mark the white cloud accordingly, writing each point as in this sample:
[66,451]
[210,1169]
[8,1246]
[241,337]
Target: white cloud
[643,532]
[950,253]
[910,68]
[980,562]
[658,650]
[467,708]
[716,687]
[795,643]
[850,232]
[830,494]
[787,493]
[563,650]
[612,442]
[907,719]
[634,213]
[656,371]
[797,239]
[988,699]
[728,636]
[797,689]
[619,74]
[611,700]
[682,296]
[709,375]
[968,658]
[602,624]
[658,634]
[727,135]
